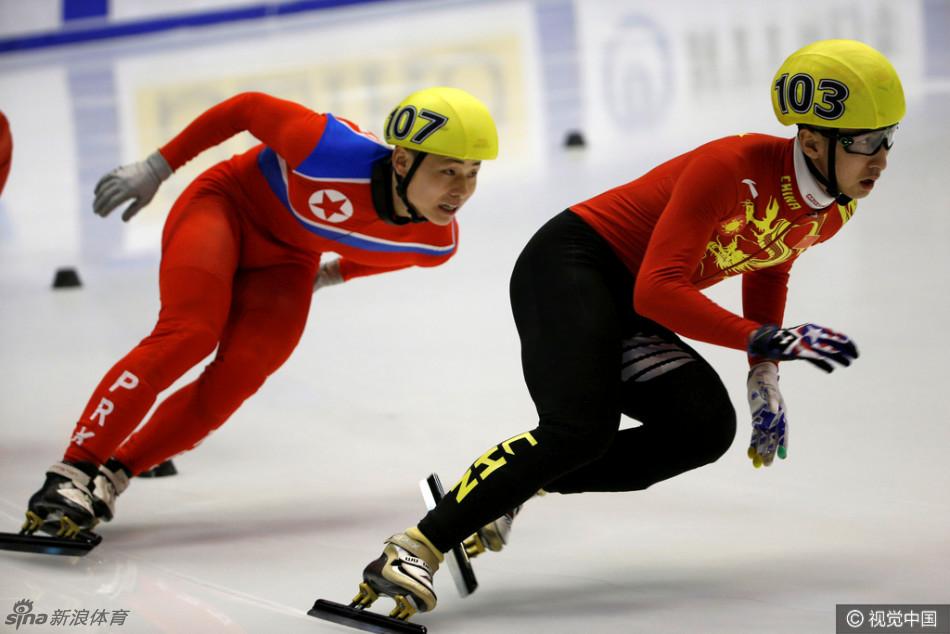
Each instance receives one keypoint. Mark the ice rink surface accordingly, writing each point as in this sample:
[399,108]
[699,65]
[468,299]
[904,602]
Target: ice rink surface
[418,371]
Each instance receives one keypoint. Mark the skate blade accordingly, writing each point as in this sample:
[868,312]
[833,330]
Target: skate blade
[362,619]
[459,565]
[77,546]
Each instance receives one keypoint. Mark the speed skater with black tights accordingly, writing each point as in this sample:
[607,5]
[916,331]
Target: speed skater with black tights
[604,291]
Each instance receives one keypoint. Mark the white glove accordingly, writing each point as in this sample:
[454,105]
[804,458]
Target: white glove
[769,425]
[328,275]
[137,181]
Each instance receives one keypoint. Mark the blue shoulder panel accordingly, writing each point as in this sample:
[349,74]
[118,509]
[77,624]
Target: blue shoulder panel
[342,153]
[267,162]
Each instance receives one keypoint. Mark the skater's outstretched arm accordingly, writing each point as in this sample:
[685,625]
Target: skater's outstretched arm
[764,292]
[664,290]
[288,128]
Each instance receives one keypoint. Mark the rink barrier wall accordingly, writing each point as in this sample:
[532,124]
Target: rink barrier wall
[91,28]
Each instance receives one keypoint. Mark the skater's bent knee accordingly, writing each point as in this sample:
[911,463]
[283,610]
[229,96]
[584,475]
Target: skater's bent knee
[173,349]
[717,431]
[579,444]
[200,338]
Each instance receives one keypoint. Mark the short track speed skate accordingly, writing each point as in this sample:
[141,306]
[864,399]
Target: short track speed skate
[63,508]
[402,551]
[404,573]
[356,616]
[57,540]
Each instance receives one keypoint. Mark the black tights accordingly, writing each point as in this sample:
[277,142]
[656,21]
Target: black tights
[587,358]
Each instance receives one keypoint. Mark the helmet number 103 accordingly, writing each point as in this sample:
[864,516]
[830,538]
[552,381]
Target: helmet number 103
[798,92]
[401,122]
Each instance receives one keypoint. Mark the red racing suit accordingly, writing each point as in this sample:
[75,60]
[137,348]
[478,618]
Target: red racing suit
[743,205]
[240,252]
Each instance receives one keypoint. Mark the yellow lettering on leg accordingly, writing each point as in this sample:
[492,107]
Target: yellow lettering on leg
[465,486]
[525,436]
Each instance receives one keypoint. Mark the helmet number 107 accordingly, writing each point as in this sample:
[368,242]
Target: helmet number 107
[402,121]
[799,91]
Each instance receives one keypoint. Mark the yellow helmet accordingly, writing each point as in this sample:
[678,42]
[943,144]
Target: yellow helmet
[445,121]
[838,84]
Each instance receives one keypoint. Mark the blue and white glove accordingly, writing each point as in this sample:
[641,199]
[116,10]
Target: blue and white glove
[814,344]
[136,181]
[769,424]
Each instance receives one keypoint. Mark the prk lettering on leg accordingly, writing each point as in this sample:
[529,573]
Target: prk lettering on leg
[103,409]
[82,435]
[127,381]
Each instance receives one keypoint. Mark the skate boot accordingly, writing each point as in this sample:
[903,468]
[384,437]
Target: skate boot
[404,572]
[64,497]
[111,480]
[494,535]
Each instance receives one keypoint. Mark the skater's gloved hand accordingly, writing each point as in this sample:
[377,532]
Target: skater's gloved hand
[328,275]
[769,425]
[138,181]
[814,344]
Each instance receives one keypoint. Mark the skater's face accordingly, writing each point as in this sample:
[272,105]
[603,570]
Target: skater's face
[857,173]
[440,186]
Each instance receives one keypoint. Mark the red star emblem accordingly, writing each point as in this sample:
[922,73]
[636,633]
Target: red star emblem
[332,207]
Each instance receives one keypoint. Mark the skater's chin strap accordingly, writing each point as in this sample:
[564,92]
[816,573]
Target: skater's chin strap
[830,181]
[402,186]
[382,192]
